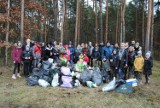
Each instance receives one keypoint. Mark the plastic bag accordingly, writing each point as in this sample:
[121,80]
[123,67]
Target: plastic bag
[133,82]
[32,80]
[55,80]
[110,86]
[91,84]
[85,76]
[43,83]
[97,77]
[67,80]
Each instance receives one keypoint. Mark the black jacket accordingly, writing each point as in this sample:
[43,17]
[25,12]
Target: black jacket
[148,64]
[96,54]
[131,58]
[115,60]
[26,54]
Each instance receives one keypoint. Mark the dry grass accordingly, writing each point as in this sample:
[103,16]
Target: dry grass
[16,94]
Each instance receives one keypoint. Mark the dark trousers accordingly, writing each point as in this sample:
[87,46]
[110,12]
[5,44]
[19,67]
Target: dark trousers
[131,71]
[138,75]
[114,72]
[16,67]
[26,68]
[147,77]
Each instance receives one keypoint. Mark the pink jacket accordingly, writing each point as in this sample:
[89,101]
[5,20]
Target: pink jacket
[16,54]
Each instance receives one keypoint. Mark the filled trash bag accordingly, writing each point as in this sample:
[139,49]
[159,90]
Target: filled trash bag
[85,76]
[66,82]
[97,77]
[110,86]
[55,81]
[32,80]
[43,83]
[120,82]
[91,84]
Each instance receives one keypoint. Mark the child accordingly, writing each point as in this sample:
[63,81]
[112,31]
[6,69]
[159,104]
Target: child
[26,56]
[16,56]
[139,65]
[86,59]
[105,70]
[148,64]
[79,67]
[114,62]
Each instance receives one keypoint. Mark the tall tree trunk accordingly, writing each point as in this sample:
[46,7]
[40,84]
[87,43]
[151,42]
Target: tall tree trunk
[143,39]
[123,20]
[136,20]
[152,27]
[121,34]
[147,42]
[117,24]
[55,17]
[101,21]
[7,33]
[45,27]
[96,17]
[106,32]
[22,20]
[77,18]
[63,21]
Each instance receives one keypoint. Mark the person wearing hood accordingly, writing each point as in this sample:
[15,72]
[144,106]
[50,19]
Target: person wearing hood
[26,56]
[36,54]
[139,66]
[148,64]
[16,57]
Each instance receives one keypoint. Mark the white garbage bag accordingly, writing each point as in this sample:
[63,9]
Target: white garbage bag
[55,80]
[110,86]
[43,83]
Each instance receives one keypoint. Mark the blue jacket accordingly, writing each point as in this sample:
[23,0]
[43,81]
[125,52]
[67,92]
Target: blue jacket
[106,52]
[72,52]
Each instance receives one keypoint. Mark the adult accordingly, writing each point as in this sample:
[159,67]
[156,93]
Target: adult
[96,55]
[70,46]
[90,48]
[78,51]
[36,54]
[116,47]
[28,43]
[107,51]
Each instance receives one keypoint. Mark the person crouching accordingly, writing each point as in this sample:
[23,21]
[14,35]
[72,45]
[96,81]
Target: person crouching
[26,56]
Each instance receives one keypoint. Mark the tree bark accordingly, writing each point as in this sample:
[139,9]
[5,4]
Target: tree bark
[22,20]
[143,39]
[63,21]
[45,15]
[136,20]
[147,42]
[123,20]
[101,21]
[76,27]
[106,32]
[121,34]
[96,29]
[117,24]
[7,34]
[152,28]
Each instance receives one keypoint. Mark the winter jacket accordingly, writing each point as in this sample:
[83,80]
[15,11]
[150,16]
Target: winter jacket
[106,52]
[148,64]
[55,53]
[96,54]
[27,54]
[68,53]
[16,54]
[48,51]
[37,51]
[85,51]
[90,50]
[131,58]
[72,52]
[79,66]
[123,58]
[139,64]
[86,59]
[114,60]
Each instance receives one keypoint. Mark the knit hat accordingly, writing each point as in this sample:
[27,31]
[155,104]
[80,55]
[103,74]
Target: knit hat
[148,54]
[139,52]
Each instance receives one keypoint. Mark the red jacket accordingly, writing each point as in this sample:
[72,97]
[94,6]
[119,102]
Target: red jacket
[86,59]
[16,54]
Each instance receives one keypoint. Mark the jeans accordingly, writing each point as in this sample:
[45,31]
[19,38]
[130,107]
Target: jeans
[26,68]
[36,62]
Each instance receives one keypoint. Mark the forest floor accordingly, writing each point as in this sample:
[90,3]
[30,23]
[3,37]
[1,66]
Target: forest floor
[16,94]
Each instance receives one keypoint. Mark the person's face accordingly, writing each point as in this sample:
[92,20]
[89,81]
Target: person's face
[126,45]
[131,49]
[28,41]
[116,45]
[114,52]
[108,44]
[122,46]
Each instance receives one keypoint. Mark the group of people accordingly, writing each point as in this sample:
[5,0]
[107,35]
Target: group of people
[122,62]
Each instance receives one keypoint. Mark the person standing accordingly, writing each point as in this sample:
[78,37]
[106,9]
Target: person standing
[16,57]
[36,54]
[107,51]
[148,64]
[139,66]
[96,56]
[26,56]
